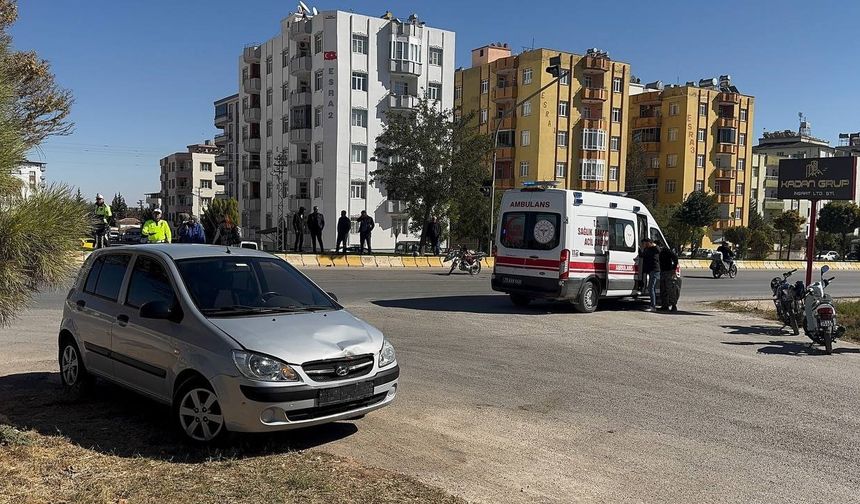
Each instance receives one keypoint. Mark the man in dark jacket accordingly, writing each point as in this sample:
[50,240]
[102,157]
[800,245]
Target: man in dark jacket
[668,281]
[299,229]
[316,223]
[365,227]
[344,225]
[433,233]
[650,265]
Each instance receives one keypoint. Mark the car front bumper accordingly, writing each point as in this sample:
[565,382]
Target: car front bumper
[249,406]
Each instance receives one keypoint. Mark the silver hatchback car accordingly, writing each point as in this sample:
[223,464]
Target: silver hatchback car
[233,339]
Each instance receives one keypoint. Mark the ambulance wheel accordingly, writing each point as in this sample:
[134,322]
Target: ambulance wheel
[587,301]
[520,300]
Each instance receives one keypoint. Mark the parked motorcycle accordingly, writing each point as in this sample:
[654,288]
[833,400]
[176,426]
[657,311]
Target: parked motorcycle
[466,261]
[819,322]
[720,267]
[787,299]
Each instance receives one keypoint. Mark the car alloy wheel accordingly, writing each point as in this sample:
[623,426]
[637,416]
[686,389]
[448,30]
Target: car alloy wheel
[200,414]
[70,365]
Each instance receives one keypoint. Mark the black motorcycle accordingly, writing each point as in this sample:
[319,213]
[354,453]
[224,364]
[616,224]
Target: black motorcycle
[788,300]
[719,267]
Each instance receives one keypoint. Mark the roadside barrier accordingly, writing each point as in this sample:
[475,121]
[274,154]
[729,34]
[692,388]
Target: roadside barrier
[772,265]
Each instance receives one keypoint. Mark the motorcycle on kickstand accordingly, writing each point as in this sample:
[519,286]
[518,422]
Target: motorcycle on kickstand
[719,267]
[466,261]
[819,321]
[787,298]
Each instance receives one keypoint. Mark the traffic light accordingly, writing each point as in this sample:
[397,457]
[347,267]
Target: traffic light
[554,67]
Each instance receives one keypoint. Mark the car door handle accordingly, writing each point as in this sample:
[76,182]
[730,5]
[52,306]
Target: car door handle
[122,319]
[80,303]
[534,257]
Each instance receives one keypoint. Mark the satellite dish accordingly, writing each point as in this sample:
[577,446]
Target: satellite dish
[304,7]
[314,9]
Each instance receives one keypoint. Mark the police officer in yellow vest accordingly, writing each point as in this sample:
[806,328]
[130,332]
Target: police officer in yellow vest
[101,221]
[156,230]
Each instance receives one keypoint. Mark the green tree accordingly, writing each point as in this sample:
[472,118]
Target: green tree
[677,233]
[698,211]
[215,213]
[740,236]
[435,163]
[788,225]
[840,218]
[118,207]
[636,180]
[760,243]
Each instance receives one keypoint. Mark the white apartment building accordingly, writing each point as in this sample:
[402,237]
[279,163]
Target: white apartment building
[32,177]
[227,114]
[319,92]
[188,181]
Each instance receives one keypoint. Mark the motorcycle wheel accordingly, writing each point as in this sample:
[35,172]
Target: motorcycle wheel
[453,267]
[716,273]
[828,341]
[475,269]
[733,271]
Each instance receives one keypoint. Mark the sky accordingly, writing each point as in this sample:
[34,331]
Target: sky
[145,73]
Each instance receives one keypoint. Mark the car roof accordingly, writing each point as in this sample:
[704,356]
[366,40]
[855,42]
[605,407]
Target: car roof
[178,251]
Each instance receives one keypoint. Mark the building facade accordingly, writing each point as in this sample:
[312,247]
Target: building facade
[188,181]
[573,133]
[227,120]
[312,101]
[696,137]
[32,177]
[764,186]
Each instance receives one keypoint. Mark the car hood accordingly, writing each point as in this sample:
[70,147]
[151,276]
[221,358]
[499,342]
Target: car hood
[301,337]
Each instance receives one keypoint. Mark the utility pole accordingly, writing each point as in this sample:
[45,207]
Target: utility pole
[280,170]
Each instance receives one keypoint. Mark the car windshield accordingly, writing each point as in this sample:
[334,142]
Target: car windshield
[239,286]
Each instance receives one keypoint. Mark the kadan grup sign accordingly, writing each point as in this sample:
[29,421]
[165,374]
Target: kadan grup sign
[832,178]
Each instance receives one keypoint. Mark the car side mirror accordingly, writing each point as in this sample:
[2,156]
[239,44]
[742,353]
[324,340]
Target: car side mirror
[332,295]
[825,269]
[158,310]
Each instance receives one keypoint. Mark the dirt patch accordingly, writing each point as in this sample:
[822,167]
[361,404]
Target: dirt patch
[848,312]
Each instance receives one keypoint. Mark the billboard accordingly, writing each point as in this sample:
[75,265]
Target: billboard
[832,178]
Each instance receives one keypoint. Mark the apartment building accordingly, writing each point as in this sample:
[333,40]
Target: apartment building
[764,186]
[316,96]
[227,120]
[849,144]
[794,144]
[32,177]
[573,133]
[188,181]
[696,137]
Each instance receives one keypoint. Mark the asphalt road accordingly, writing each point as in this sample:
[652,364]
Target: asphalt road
[499,404]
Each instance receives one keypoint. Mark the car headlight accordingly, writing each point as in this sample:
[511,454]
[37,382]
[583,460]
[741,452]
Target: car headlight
[386,355]
[264,368]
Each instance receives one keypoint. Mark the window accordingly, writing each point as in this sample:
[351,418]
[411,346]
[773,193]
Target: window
[622,235]
[616,114]
[742,164]
[318,43]
[359,154]
[434,92]
[561,139]
[617,84]
[206,167]
[435,56]
[318,116]
[405,51]
[359,118]
[703,109]
[269,158]
[670,186]
[654,162]
[613,173]
[106,276]
[563,109]
[699,185]
[318,188]
[743,114]
[318,80]
[269,128]
[399,226]
[318,153]
[525,138]
[739,213]
[742,138]
[673,134]
[268,65]
[285,58]
[739,189]
[524,168]
[458,92]
[518,230]
[587,81]
[673,109]
[647,135]
[483,117]
[593,139]
[615,143]
[560,170]
[527,75]
[149,282]
[284,93]
[726,135]
[359,44]
[565,79]
[357,189]
[672,160]
[205,184]
[527,108]
[485,86]
[506,138]
[268,96]
[302,189]
[400,88]
[700,161]
[285,123]
[701,135]
[359,81]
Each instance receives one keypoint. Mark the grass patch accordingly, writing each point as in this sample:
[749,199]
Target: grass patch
[10,436]
[847,312]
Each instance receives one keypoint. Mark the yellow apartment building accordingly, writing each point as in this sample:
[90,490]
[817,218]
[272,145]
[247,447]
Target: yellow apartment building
[696,137]
[574,132]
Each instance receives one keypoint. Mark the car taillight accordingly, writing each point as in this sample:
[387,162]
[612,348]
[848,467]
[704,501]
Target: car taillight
[825,312]
[564,265]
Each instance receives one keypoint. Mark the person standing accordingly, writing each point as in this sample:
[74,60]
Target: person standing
[316,223]
[299,228]
[434,233]
[344,225]
[651,268]
[192,231]
[156,230]
[228,234]
[102,218]
[669,290]
[365,228]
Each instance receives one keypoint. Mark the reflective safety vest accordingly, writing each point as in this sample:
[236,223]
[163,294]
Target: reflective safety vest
[157,232]
[103,213]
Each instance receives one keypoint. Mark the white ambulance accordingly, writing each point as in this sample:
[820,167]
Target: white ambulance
[571,246]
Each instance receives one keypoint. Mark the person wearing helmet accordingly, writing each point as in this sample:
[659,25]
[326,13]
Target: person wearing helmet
[728,255]
[101,221]
[156,230]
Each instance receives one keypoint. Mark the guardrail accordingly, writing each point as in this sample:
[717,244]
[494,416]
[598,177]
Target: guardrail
[771,265]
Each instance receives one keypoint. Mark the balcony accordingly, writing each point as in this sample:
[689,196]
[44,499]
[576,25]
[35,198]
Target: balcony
[592,154]
[409,29]
[300,135]
[222,178]
[299,99]
[253,204]
[651,146]
[222,195]
[404,67]
[506,65]
[507,123]
[592,185]
[507,93]
[296,203]
[407,102]
[726,148]
[221,158]
[251,54]
[771,181]
[590,63]
[504,153]
[252,115]
[593,94]
[300,29]
[395,207]
[300,65]
[774,204]
[652,172]
[726,198]
[252,85]
[725,173]
[251,144]
[221,119]
[727,122]
[594,123]
[724,224]
[220,140]
[647,122]
[253,173]
[301,170]
[732,98]
[651,97]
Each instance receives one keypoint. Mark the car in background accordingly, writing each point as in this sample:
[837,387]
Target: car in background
[830,255]
[853,256]
[114,236]
[703,253]
[131,236]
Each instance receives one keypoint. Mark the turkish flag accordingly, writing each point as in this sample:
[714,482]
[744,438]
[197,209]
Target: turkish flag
[330,55]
